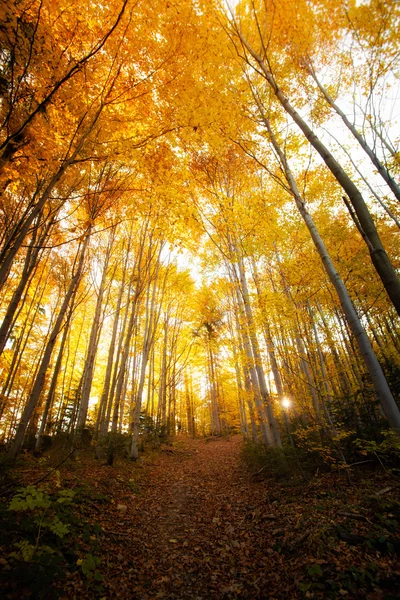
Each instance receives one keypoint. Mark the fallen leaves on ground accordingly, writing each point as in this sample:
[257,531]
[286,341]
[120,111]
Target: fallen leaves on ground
[190,523]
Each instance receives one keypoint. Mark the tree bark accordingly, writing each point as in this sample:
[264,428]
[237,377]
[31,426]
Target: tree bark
[257,354]
[379,257]
[53,384]
[383,172]
[251,374]
[149,333]
[16,238]
[30,264]
[87,376]
[41,374]
[382,389]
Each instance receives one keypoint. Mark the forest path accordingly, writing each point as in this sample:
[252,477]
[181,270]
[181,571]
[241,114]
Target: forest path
[196,531]
[190,522]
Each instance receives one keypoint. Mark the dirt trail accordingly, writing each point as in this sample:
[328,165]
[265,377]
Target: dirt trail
[194,532]
[190,523]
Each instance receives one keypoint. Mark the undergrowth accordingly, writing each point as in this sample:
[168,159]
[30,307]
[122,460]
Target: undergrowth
[278,463]
[313,455]
[42,538]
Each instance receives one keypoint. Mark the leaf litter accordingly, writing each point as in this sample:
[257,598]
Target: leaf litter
[191,523]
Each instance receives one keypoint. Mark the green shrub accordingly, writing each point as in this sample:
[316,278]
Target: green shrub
[279,463]
[42,538]
[113,445]
[386,450]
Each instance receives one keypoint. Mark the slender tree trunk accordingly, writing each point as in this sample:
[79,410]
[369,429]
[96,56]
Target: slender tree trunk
[53,384]
[30,264]
[387,401]
[122,370]
[343,378]
[149,333]
[328,404]
[172,404]
[383,172]
[252,374]
[162,395]
[114,369]
[214,392]
[40,377]
[271,351]
[377,339]
[305,367]
[256,352]
[392,333]
[242,409]
[87,376]
[378,254]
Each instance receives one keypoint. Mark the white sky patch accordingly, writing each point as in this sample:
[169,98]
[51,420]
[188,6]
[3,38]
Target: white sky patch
[185,260]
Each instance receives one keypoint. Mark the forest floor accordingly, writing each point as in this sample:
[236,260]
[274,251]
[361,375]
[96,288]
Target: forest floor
[190,523]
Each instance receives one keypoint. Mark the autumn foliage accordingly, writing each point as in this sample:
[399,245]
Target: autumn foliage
[199,210]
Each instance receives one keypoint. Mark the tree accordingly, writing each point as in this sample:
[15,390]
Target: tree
[261,64]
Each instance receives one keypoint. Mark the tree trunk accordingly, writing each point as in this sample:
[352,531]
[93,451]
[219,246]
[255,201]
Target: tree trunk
[40,377]
[383,172]
[251,374]
[149,333]
[257,355]
[30,264]
[388,403]
[379,257]
[87,376]
[53,384]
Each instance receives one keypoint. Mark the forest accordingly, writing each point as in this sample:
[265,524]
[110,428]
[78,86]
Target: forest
[199,298]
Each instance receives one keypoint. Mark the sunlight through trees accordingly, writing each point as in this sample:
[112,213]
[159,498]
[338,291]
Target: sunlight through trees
[257,142]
